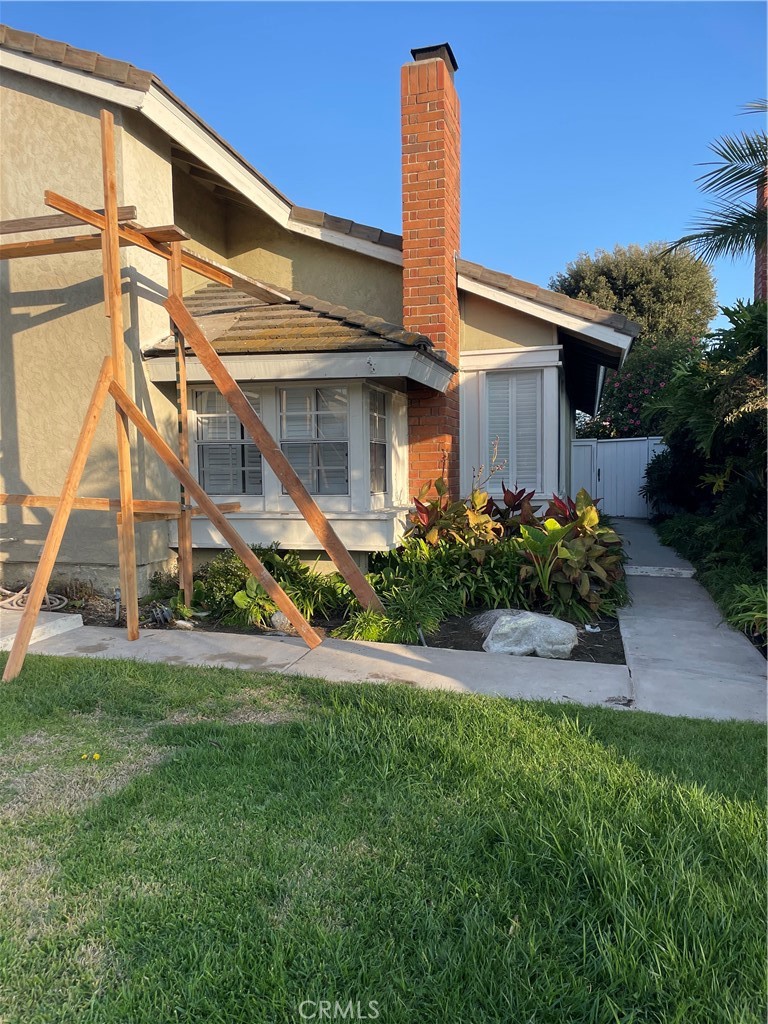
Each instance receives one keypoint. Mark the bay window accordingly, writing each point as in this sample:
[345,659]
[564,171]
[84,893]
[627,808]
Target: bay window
[378,435]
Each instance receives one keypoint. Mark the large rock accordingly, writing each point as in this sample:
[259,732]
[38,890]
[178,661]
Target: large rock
[520,633]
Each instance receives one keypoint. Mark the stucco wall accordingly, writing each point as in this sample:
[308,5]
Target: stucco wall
[204,217]
[264,250]
[54,335]
[488,325]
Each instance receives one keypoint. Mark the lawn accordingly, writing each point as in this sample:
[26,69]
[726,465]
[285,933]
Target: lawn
[247,846]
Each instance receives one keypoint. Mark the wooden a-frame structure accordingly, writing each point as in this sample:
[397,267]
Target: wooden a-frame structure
[115,227]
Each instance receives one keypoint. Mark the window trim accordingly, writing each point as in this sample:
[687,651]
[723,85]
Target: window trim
[494,485]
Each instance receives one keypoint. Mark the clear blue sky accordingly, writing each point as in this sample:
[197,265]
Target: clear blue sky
[582,122]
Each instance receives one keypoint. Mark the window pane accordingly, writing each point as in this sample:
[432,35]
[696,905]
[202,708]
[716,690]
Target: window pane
[297,412]
[253,479]
[300,457]
[331,468]
[378,468]
[377,406]
[220,468]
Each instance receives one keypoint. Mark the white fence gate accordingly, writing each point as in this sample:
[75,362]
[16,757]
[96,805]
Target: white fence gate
[614,471]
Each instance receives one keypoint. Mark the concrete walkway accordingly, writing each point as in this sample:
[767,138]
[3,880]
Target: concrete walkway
[682,657]
[355,661]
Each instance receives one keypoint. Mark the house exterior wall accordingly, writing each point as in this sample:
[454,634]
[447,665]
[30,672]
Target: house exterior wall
[487,325]
[262,249]
[205,219]
[54,336]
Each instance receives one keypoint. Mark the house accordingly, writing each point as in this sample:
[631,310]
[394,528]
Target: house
[377,361]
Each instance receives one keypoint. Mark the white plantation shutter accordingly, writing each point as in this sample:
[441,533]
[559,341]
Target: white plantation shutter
[514,418]
[228,461]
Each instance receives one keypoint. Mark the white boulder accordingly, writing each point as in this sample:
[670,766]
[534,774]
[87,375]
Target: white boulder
[521,633]
[281,622]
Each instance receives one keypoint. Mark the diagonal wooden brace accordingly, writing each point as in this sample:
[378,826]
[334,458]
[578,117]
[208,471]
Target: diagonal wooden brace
[225,528]
[271,451]
[58,525]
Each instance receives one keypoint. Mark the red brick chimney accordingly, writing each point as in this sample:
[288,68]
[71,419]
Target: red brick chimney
[431,144]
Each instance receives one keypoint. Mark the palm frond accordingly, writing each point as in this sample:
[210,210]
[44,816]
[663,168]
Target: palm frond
[732,229]
[755,107]
[741,166]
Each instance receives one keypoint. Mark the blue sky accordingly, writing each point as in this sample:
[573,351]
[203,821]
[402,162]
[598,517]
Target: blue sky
[582,123]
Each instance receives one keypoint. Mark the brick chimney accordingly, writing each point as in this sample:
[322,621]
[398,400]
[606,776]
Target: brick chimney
[431,140]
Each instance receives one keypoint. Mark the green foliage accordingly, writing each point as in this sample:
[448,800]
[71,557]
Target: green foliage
[222,578]
[196,610]
[671,295]
[462,522]
[629,392]
[748,610]
[163,585]
[714,424]
[736,225]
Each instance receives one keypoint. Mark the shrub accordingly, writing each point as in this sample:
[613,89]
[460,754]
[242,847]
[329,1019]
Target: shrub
[749,610]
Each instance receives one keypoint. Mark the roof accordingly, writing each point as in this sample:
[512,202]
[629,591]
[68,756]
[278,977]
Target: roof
[90,62]
[564,303]
[239,324]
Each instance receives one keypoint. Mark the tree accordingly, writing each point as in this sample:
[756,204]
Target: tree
[670,294]
[629,392]
[735,225]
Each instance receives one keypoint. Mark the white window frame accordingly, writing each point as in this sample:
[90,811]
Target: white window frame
[360,499]
[509,473]
[379,499]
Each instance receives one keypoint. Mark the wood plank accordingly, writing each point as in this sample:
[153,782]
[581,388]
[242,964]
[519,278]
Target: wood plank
[189,260]
[126,531]
[52,221]
[222,524]
[140,505]
[56,531]
[186,571]
[163,233]
[52,246]
[244,411]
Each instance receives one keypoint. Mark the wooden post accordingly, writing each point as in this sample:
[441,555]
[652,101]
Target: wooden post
[222,524]
[243,409]
[58,524]
[126,532]
[185,518]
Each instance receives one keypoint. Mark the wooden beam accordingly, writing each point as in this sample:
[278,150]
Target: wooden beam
[151,517]
[162,233]
[287,475]
[141,506]
[53,541]
[52,221]
[222,524]
[52,246]
[190,261]
[249,285]
[126,532]
[186,571]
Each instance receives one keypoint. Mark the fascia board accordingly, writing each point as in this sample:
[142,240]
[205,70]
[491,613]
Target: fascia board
[70,78]
[312,366]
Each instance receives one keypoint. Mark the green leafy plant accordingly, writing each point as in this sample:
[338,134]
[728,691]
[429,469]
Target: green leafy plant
[749,609]
[196,610]
[464,522]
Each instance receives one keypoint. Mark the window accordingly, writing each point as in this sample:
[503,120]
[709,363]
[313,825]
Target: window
[314,432]
[228,460]
[514,417]
[377,417]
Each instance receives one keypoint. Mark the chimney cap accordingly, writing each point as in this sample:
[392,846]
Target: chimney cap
[441,50]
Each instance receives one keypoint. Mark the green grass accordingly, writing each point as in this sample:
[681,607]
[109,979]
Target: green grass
[453,858]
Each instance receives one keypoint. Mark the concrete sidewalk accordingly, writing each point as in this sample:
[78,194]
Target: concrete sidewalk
[682,657]
[356,661]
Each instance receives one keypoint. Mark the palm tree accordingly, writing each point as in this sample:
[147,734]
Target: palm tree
[736,225]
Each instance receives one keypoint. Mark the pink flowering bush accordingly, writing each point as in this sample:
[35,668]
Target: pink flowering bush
[627,392]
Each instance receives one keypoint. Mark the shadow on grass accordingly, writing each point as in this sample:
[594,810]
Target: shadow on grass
[448,858]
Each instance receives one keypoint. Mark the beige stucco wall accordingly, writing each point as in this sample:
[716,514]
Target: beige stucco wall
[54,335]
[262,249]
[489,325]
[204,217]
